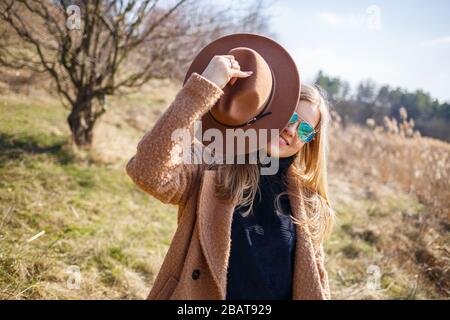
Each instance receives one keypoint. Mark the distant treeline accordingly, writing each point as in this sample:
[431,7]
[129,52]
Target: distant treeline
[431,117]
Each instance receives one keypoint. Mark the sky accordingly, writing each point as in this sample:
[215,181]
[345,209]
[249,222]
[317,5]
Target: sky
[402,43]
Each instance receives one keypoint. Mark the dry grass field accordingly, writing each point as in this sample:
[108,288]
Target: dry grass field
[73,226]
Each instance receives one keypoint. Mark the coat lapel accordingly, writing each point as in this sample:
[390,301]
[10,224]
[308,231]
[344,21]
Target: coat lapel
[215,218]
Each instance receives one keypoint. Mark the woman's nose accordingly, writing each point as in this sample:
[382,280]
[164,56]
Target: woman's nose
[290,130]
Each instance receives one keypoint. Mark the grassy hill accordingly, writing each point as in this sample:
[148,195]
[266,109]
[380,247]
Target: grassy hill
[64,210]
[92,214]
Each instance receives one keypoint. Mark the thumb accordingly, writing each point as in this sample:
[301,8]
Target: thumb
[241,74]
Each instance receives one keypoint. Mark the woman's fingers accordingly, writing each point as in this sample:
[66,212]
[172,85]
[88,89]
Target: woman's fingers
[235,65]
[239,74]
[224,69]
[235,71]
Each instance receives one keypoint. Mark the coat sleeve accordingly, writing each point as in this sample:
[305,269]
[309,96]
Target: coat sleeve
[153,168]
[323,272]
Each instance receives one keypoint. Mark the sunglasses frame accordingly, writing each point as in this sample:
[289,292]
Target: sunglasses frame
[301,120]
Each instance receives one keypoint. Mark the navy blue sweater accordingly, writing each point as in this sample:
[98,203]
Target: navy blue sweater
[263,244]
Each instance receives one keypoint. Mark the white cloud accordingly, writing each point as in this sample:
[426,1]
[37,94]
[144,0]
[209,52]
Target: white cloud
[371,19]
[436,42]
[331,18]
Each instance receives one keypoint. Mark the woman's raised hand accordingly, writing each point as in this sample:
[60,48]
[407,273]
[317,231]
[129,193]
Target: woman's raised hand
[223,68]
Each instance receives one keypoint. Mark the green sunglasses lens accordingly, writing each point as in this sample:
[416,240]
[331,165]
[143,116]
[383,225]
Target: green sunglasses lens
[306,132]
[310,137]
[294,118]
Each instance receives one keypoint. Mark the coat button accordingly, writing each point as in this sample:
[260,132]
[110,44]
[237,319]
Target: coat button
[195,274]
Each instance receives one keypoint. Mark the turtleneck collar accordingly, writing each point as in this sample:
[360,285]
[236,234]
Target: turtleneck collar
[283,163]
[286,162]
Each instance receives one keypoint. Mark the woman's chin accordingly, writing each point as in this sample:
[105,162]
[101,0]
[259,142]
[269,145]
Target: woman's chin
[277,151]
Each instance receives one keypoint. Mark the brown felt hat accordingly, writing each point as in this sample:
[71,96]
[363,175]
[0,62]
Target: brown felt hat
[265,100]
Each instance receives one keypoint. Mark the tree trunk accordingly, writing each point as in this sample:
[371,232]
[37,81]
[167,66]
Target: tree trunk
[81,121]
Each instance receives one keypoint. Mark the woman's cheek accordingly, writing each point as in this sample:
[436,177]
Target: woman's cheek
[293,149]
[286,151]
[298,144]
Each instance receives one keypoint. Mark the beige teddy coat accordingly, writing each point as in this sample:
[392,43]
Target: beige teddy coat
[195,266]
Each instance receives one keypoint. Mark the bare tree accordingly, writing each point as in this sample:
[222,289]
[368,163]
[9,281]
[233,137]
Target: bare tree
[94,48]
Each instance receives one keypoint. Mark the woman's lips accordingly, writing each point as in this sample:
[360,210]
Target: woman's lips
[282,141]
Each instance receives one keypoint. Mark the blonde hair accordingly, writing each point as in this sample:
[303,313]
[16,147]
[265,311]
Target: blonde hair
[240,182]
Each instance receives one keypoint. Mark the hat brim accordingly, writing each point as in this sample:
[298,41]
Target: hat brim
[286,83]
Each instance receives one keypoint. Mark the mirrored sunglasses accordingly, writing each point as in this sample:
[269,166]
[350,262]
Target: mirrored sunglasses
[305,131]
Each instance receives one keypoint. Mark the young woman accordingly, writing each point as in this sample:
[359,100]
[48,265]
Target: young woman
[240,235]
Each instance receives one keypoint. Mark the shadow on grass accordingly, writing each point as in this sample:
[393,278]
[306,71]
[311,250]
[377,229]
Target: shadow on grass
[13,147]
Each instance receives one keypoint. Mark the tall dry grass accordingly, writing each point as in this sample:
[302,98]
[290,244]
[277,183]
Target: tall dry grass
[395,156]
